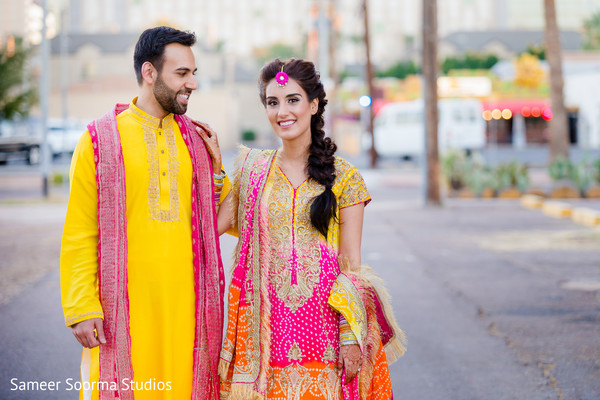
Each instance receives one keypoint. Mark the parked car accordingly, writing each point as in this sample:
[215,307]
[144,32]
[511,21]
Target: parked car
[63,136]
[19,139]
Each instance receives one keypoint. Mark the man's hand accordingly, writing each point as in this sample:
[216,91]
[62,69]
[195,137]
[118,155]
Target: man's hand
[350,359]
[84,332]
[212,144]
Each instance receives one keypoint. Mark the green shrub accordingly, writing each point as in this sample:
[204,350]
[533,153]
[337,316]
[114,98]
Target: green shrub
[248,135]
[461,171]
[454,165]
[58,178]
[586,173]
[512,174]
[562,169]
[596,165]
[481,177]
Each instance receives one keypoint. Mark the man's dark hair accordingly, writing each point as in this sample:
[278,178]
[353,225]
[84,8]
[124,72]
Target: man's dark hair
[151,47]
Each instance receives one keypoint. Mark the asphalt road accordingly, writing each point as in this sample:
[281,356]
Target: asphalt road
[490,295]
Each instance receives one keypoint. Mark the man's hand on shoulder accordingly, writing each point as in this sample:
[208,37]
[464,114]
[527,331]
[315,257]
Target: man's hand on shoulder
[90,333]
[212,143]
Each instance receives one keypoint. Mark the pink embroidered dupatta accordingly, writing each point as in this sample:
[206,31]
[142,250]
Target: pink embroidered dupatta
[244,363]
[115,355]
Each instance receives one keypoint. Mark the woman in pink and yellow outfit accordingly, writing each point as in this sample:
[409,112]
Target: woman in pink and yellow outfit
[305,322]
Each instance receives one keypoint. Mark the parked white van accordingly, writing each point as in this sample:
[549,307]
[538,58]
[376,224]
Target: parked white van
[64,135]
[399,129]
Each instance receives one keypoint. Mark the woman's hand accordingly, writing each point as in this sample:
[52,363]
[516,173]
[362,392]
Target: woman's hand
[350,359]
[212,144]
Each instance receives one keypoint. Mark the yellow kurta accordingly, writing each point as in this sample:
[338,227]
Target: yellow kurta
[160,268]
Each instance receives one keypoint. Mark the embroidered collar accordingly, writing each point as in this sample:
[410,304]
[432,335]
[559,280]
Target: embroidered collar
[146,119]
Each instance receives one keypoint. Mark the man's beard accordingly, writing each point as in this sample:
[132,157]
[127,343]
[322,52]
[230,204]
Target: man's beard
[167,98]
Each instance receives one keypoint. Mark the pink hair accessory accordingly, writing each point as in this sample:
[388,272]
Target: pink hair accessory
[282,78]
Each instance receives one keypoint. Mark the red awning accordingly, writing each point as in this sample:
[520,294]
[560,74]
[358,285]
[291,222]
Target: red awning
[516,105]
[378,105]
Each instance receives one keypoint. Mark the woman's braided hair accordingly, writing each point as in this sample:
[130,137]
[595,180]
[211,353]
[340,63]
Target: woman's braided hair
[321,160]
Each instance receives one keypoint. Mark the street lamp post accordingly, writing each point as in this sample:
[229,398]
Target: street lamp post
[369,77]
[64,64]
[44,91]
[364,102]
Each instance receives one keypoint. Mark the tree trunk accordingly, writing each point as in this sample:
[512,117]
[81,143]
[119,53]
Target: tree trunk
[430,75]
[559,126]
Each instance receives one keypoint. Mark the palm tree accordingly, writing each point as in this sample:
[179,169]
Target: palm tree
[430,74]
[559,133]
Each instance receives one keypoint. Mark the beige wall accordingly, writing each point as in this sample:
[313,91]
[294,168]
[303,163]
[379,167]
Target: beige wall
[227,111]
[229,108]
[96,81]
[89,64]
[12,18]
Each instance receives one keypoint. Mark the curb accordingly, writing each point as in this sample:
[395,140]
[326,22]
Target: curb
[559,209]
[532,201]
[586,216]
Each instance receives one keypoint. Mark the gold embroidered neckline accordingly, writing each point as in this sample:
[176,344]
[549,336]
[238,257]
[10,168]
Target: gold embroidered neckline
[149,120]
[283,175]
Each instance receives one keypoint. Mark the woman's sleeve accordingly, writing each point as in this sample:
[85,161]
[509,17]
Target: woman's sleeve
[79,249]
[353,188]
[234,189]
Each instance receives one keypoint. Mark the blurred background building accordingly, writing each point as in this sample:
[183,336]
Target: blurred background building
[242,28]
[92,45]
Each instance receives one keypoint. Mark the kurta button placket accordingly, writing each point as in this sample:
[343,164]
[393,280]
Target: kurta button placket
[163,166]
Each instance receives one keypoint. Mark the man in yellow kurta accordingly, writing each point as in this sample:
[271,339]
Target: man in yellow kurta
[146,304]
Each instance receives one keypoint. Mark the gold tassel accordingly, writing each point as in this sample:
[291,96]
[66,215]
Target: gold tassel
[397,345]
[395,348]
[238,163]
[347,267]
[223,369]
[244,391]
